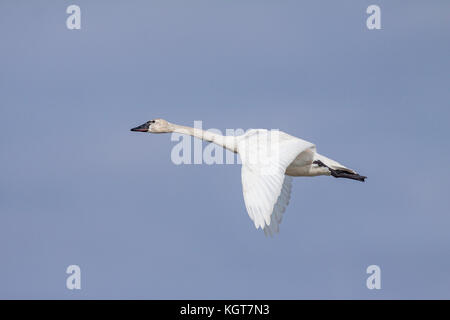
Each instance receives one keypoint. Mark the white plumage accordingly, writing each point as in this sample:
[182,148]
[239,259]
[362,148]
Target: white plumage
[265,156]
[270,158]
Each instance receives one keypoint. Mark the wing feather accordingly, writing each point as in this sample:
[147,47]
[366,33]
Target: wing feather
[265,155]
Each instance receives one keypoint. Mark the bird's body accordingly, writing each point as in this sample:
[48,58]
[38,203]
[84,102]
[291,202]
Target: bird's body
[270,158]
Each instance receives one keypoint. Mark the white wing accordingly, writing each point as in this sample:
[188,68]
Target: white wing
[265,155]
[280,207]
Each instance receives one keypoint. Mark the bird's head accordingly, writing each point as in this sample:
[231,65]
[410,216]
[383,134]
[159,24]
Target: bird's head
[155,126]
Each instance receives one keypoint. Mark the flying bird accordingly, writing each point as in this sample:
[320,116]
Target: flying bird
[270,158]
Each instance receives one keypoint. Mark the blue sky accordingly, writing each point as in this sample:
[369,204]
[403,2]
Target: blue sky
[77,187]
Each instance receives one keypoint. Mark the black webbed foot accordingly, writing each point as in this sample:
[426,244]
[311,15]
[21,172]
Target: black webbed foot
[320,163]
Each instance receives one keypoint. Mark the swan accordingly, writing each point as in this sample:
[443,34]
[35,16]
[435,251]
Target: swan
[270,158]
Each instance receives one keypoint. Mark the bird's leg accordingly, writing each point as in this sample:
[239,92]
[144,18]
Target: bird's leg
[321,164]
[341,173]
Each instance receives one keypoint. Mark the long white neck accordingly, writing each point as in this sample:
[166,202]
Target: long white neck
[227,142]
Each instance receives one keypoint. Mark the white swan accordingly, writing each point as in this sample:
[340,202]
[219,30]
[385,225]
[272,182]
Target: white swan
[270,158]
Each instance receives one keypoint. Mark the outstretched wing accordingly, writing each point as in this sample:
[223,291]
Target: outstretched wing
[280,207]
[265,155]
